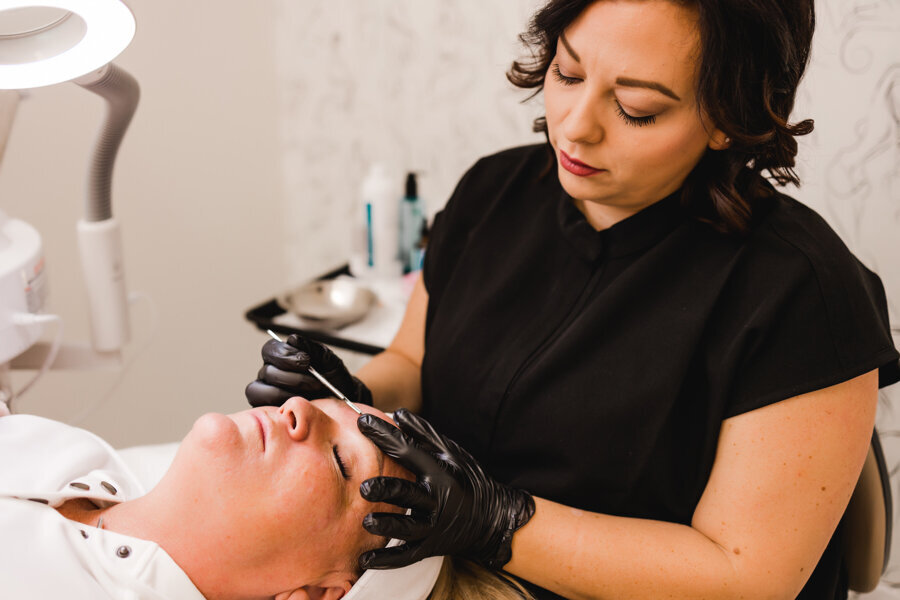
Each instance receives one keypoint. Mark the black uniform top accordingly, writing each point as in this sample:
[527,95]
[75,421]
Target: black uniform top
[595,368]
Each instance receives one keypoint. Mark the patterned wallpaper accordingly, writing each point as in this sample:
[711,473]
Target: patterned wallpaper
[420,86]
[850,166]
[416,85]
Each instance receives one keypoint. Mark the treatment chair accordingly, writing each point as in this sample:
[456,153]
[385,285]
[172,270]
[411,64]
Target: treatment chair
[866,543]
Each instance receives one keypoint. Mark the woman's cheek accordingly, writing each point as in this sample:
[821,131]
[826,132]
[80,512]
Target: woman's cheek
[313,489]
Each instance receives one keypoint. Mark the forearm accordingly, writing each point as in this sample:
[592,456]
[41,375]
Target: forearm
[394,380]
[394,376]
[779,486]
[578,555]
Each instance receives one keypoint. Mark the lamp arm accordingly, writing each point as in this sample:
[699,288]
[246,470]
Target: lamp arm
[121,92]
[99,234]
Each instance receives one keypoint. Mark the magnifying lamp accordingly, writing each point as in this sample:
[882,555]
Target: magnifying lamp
[43,42]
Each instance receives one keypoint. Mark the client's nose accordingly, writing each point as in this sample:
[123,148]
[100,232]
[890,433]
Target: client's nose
[299,414]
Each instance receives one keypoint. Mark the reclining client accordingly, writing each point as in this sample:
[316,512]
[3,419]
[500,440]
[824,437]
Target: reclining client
[263,503]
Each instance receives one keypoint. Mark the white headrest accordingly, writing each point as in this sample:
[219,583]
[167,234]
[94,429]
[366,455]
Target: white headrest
[414,582]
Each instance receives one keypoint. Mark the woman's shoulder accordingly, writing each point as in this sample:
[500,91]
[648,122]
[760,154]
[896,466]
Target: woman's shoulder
[794,234]
[499,170]
[797,311]
[518,155]
[491,178]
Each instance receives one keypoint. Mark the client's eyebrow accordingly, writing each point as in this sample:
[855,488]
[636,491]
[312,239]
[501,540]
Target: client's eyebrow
[379,455]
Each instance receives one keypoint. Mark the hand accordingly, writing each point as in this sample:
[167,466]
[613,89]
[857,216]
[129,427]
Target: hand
[285,373]
[456,509]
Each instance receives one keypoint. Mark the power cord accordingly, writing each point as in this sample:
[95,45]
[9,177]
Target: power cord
[32,319]
[102,399]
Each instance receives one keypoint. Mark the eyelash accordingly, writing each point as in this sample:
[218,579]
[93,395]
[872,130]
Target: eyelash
[636,121]
[340,462]
[629,119]
[562,78]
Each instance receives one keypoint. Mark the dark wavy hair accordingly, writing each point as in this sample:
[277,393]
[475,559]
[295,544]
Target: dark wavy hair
[753,54]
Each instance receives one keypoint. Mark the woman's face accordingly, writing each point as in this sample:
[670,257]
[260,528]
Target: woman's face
[622,114]
[284,484]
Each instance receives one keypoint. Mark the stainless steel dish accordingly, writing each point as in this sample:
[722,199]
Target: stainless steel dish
[329,304]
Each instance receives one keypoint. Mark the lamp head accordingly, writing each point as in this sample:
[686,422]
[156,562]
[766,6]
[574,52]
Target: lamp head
[43,42]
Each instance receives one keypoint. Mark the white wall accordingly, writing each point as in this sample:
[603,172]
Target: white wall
[417,85]
[197,188]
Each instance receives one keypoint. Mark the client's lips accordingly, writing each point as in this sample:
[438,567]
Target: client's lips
[576,167]
[260,422]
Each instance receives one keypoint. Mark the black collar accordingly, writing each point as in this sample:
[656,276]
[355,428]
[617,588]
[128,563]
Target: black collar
[634,234]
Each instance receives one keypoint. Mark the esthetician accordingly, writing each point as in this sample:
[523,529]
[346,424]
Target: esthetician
[662,370]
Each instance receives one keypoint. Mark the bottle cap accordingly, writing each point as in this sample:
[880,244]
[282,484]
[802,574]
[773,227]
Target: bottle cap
[411,188]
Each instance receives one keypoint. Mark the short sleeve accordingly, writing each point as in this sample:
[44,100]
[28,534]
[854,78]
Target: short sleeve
[800,313]
[448,235]
[479,189]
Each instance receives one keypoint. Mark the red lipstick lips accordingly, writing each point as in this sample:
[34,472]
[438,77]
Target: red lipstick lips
[576,167]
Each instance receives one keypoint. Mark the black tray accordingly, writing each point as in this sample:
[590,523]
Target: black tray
[262,316]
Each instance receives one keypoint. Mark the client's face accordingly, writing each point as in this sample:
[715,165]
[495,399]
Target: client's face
[284,484]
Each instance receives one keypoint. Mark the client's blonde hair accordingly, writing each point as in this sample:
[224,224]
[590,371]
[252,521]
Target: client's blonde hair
[463,580]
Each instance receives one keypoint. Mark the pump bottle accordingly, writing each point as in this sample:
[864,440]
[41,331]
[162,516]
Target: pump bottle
[376,251]
[412,216]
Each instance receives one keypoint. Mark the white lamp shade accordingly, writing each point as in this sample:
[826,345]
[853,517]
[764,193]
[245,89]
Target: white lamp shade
[43,42]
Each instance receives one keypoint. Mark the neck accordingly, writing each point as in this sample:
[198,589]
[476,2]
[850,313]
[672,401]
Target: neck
[602,216]
[162,520]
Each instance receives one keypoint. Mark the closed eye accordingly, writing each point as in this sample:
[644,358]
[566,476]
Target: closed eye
[632,120]
[563,79]
[340,462]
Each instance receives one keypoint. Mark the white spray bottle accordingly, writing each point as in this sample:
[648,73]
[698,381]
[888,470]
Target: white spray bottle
[377,251]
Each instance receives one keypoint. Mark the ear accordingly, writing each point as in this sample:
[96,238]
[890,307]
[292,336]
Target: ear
[314,592]
[298,594]
[718,140]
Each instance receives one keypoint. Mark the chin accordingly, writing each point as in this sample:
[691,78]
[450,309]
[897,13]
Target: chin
[580,188]
[214,431]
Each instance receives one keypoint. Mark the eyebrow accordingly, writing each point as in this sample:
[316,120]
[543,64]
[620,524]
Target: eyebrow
[628,82]
[565,42]
[379,455]
[624,81]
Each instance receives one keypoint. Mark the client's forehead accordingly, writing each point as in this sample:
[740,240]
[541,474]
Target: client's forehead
[347,417]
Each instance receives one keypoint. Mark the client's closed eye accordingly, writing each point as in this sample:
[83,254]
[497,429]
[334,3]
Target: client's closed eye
[340,462]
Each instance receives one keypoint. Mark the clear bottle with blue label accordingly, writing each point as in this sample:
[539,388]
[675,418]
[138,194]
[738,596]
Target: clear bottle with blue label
[375,251]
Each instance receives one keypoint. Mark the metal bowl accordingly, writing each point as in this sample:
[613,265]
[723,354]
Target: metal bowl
[329,304]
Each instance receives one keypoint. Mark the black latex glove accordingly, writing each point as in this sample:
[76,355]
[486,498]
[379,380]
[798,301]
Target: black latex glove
[457,509]
[285,374]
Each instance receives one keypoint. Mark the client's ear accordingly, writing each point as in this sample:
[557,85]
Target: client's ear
[314,592]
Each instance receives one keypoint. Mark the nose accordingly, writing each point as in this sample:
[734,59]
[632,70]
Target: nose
[301,417]
[583,124]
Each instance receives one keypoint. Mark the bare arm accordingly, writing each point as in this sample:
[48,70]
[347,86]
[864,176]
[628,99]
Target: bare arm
[781,480]
[394,376]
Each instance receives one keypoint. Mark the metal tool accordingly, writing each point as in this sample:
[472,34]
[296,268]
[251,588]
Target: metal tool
[321,379]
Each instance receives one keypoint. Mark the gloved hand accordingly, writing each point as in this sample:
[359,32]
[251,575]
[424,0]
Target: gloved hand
[457,509]
[285,374]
